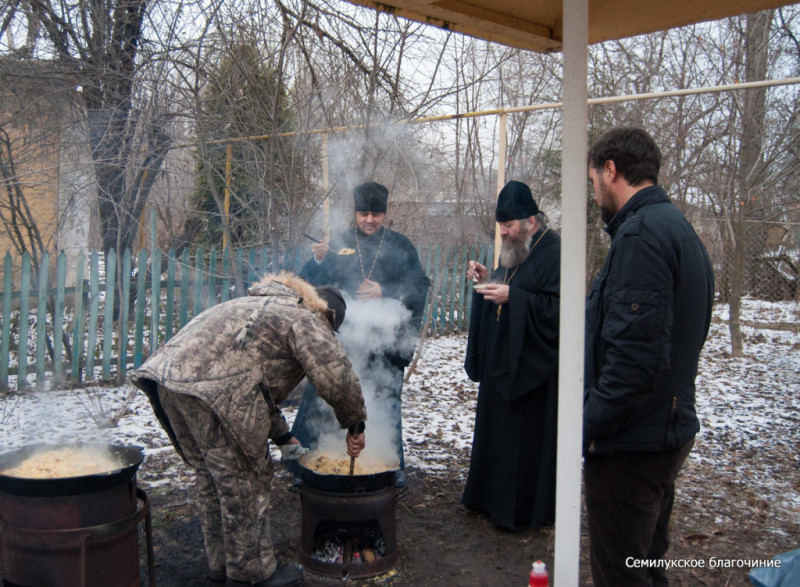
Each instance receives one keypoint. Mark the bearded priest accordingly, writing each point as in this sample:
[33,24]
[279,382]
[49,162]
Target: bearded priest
[512,351]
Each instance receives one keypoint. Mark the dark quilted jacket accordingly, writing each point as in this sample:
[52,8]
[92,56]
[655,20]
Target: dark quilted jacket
[647,317]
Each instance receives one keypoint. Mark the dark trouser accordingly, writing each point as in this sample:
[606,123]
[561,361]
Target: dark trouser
[629,499]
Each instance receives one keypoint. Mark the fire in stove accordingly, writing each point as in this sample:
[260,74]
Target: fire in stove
[348,535]
[353,544]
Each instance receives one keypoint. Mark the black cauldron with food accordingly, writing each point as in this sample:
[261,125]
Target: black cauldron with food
[69,515]
[373,476]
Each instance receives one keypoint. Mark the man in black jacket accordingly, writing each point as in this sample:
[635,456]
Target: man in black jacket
[647,317]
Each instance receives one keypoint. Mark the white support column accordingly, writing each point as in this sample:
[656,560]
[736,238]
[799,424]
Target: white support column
[573,295]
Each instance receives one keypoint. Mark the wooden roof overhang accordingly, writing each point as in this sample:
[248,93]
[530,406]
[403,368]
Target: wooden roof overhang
[538,24]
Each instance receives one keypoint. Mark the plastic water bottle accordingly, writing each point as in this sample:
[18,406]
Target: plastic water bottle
[539,575]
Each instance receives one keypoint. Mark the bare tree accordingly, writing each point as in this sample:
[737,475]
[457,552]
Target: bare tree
[99,51]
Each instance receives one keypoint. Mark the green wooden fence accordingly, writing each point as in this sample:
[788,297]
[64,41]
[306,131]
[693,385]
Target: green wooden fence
[69,335]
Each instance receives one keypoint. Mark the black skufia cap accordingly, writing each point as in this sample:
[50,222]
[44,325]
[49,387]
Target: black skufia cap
[336,305]
[370,197]
[515,201]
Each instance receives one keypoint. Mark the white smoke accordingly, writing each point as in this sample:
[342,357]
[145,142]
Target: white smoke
[370,329]
[352,161]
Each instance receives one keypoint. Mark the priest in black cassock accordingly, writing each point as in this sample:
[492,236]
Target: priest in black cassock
[513,352]
[370,262]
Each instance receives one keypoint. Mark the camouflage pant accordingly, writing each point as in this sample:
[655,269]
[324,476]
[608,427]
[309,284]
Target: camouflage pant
[232,491]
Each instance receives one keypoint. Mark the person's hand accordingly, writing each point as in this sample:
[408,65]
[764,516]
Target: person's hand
[369,290]
[292,449]
[320,251]
[477,272]
[494,292]
[355,444]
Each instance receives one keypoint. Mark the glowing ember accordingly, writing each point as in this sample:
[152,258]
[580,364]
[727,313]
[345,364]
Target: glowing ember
[359,545]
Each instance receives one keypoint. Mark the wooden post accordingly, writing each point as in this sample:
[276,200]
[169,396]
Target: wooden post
[501,179]
[326,203]
[227,203]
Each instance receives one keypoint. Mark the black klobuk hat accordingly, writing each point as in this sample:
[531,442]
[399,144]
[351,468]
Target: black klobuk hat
[370,197]
[515,201]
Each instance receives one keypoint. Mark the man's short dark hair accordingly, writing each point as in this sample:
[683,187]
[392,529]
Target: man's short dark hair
[633,151]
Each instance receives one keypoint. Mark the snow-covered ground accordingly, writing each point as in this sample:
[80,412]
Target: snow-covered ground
[749,409]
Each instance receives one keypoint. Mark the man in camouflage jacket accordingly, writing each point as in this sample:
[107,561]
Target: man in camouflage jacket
[215,387]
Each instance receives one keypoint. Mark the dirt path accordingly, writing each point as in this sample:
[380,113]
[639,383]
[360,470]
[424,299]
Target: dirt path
[441,543]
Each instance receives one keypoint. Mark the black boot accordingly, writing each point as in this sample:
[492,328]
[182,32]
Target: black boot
[216,575]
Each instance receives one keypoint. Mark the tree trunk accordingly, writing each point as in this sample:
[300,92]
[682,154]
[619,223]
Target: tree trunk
[756,47]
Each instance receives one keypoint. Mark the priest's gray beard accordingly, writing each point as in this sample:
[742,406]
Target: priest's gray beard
[513,250]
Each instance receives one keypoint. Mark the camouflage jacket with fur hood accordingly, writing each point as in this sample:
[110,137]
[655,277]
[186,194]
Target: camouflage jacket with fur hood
[244,356]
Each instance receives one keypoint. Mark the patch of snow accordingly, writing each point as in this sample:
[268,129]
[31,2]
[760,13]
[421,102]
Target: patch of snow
[749,409]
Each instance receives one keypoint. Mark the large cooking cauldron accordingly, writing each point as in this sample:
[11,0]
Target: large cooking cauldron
[344,483]
[73,531]
[129,458]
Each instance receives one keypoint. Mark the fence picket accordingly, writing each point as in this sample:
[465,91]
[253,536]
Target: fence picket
[138,330]
[462,288]
[5,339]
[58,317]
[263,263]
[473,254]
[212,278]
[198,282]
[251,271]
[155,296]
[94,309]
[124,314]
[108,312]
[77,323]
[41,318]
[454,295]
[225,293]
[169,308]
[24,306]
[437,279]
[185,276]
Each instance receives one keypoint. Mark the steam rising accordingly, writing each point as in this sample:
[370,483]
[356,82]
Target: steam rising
[371,329]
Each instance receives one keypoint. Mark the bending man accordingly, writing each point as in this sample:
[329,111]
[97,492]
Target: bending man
[215,388]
